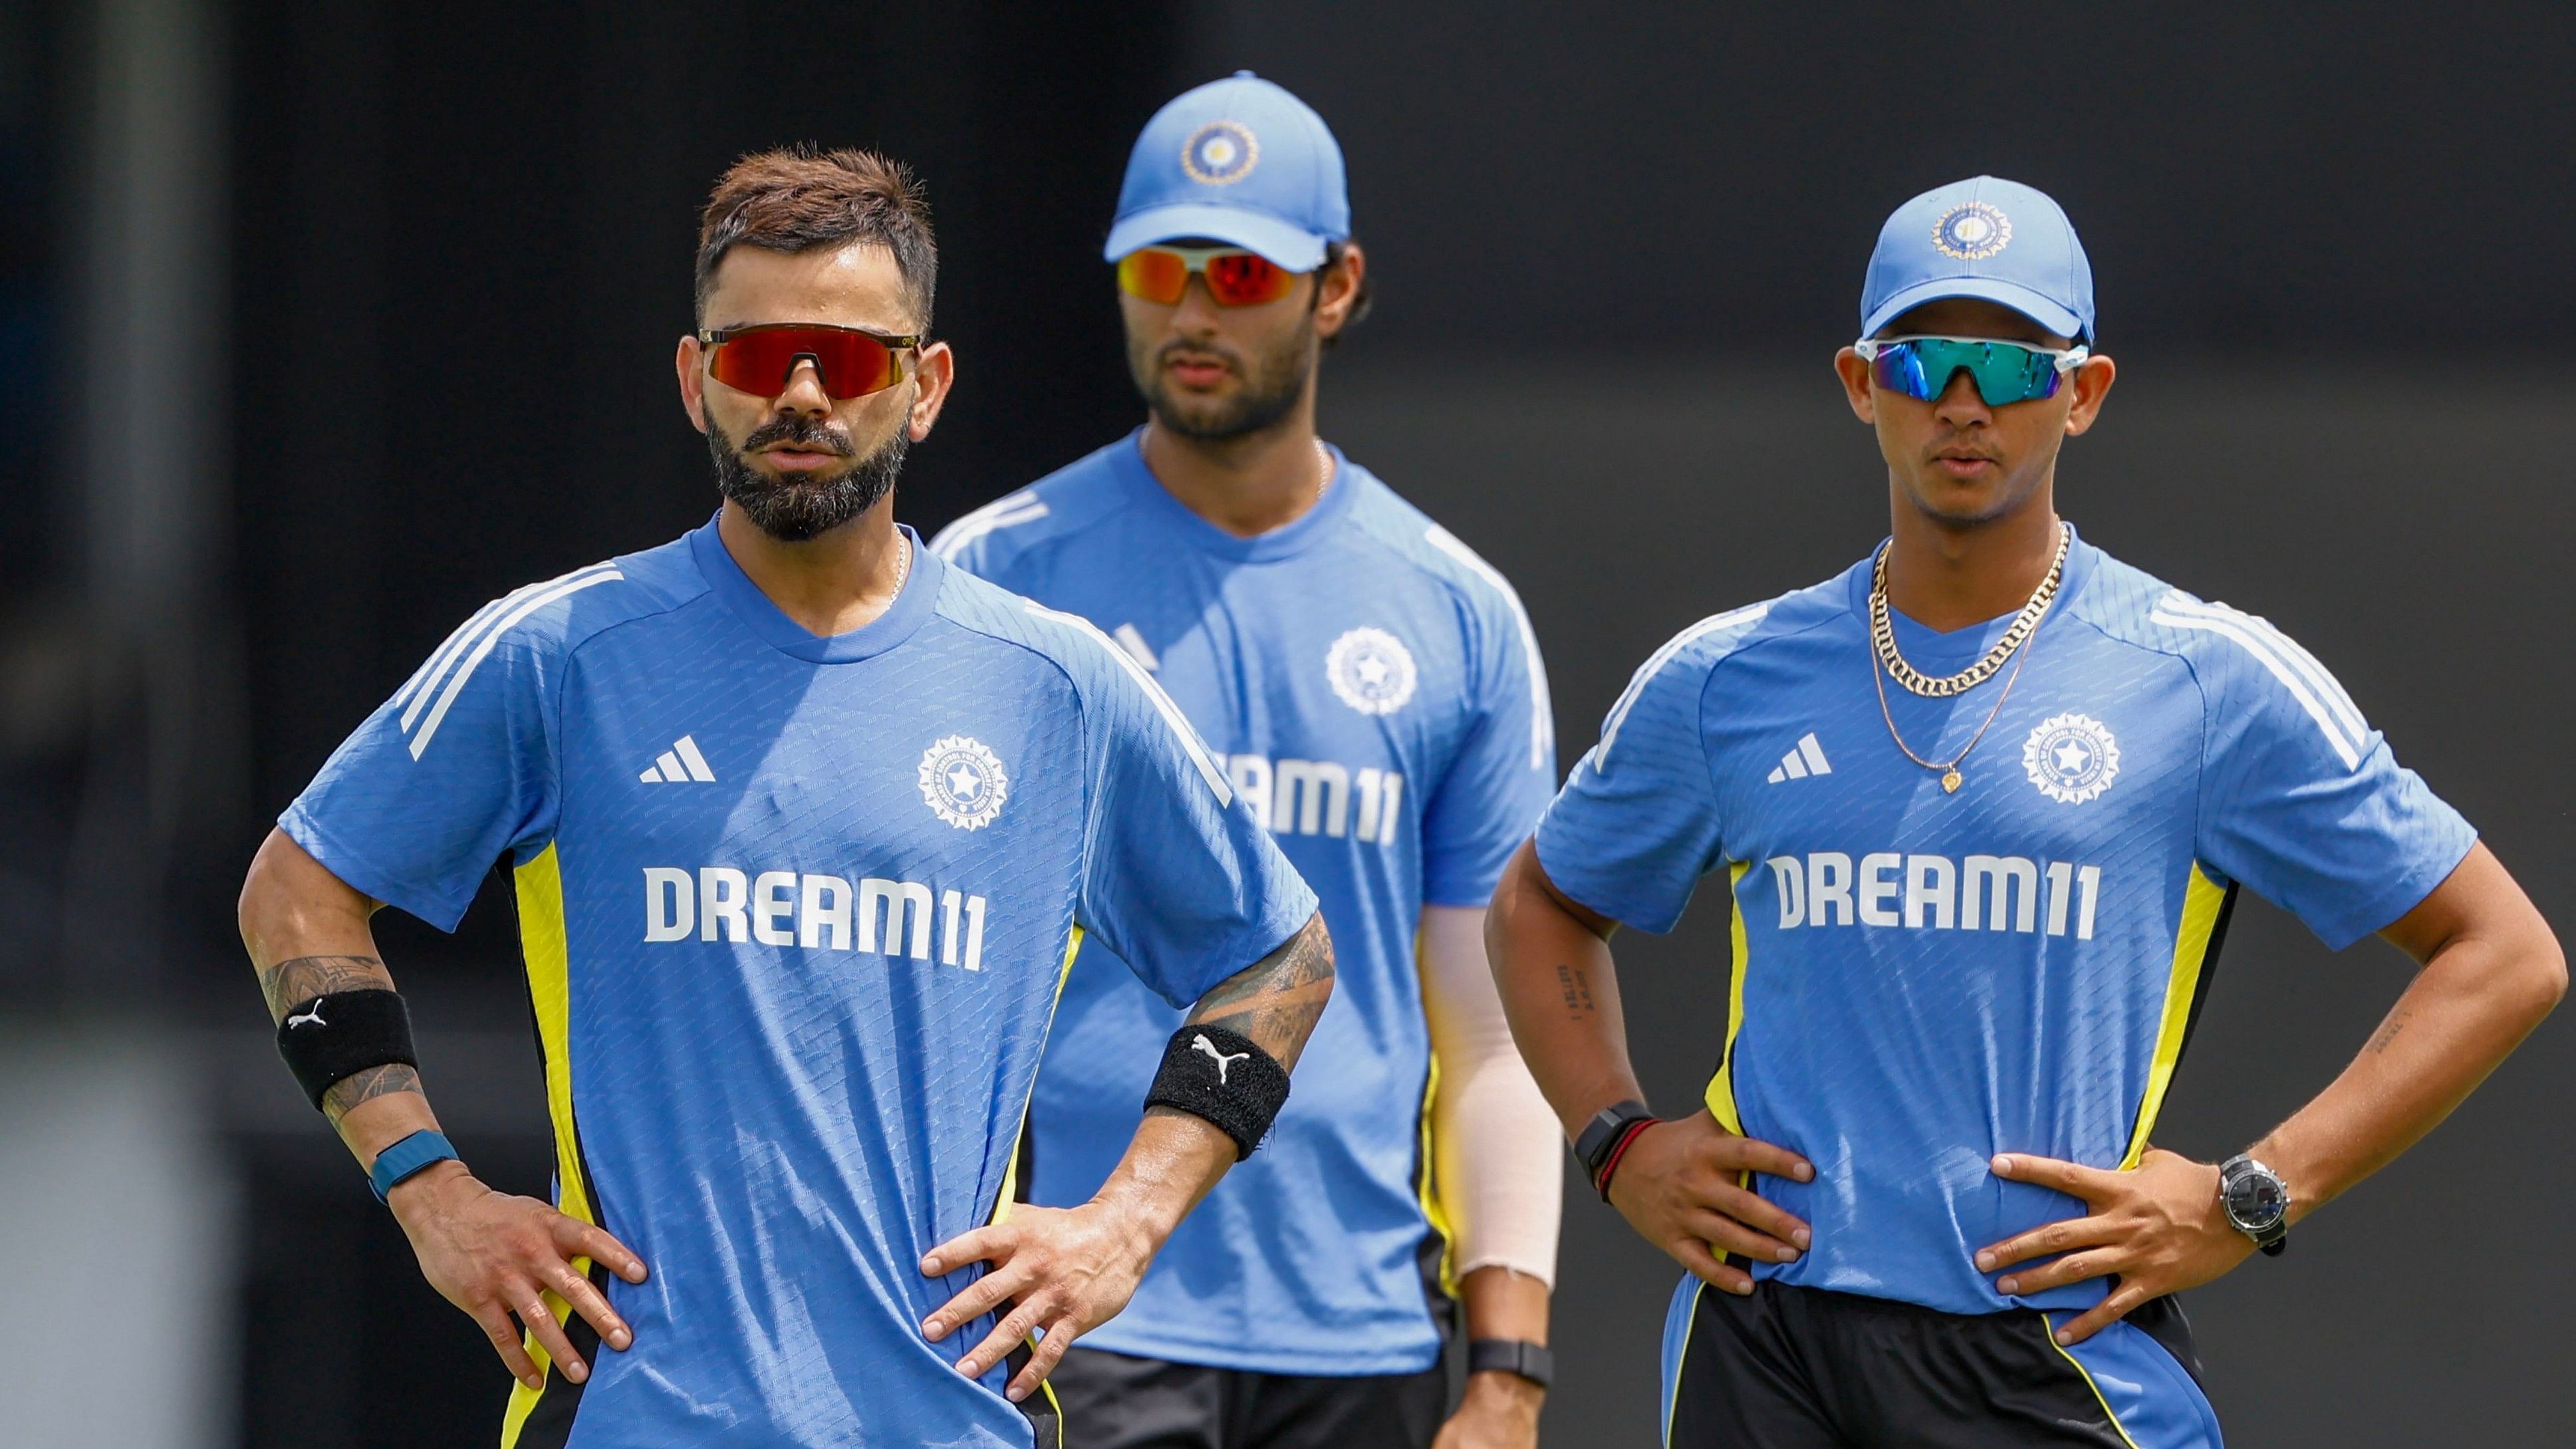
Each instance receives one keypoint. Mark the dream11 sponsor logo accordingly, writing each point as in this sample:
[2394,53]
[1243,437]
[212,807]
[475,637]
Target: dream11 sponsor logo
[1318,797]
[815,912]
[1935,893]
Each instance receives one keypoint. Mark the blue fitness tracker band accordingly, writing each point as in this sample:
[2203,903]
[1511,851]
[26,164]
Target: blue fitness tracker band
[421,1149]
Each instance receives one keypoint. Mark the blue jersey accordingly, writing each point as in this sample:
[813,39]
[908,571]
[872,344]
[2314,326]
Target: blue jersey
[1377,695]
[1924,979]
[796,912]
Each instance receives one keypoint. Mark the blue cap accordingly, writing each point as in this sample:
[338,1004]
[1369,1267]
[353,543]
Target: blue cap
[1238,161]
[1983,237]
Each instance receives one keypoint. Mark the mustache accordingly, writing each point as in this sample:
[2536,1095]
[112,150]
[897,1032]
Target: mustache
[1223,355]
[805,434]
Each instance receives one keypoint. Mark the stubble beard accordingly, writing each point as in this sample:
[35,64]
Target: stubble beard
[1273,385]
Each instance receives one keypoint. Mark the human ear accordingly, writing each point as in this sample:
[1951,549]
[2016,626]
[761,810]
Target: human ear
[2093,379]
[693,382]
[1855,377]
[1338,289]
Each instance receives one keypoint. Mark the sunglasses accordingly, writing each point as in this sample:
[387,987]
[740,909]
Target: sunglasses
[2005,372]
[853,361]
[1235,277]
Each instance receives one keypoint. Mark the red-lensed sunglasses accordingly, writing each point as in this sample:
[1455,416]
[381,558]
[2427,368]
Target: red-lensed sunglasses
[1235,277]
[760,359]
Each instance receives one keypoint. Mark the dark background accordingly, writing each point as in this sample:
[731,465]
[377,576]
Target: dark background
[433,260]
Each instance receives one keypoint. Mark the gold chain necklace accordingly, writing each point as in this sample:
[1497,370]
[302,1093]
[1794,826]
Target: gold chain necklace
[1882,638]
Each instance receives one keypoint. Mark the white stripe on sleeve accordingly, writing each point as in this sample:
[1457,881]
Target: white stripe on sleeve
[1747,616]
[1542,714]
[1007,511]
[2292,678]
[572,584]
[1171,713]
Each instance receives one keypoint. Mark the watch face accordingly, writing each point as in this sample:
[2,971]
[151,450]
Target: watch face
[2255,1201]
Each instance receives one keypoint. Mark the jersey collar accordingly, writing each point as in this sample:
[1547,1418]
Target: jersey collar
[1127,461]
[912,608]
[1934,652]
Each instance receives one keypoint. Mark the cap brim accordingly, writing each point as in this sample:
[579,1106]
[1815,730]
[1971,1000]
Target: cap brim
[1281,243]
[2021,299]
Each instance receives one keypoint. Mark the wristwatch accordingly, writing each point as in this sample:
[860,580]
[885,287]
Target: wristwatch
[2256,1201]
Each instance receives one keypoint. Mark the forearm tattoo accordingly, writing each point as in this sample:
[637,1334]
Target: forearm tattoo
[1578,990]
[1277,999]
[364,1086]
[292,982]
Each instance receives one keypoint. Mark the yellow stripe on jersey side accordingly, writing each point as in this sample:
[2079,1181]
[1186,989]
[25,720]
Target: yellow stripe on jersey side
[1011,1164]
[1426,1188]
[542,938]
[1721,1088]
[2201,902]
[2049,1328]
[1426,1191]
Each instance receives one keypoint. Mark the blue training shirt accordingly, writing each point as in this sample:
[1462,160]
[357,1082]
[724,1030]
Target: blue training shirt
[796,913]
[1378,697]
[1922,980]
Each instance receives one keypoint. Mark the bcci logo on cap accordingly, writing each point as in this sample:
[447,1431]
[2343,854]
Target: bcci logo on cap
[1220,153]
[1371,670]
[963,783]
[2071,758]
[1972,232]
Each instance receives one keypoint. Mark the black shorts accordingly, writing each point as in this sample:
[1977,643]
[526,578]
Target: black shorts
[1113,1401]
[1802,1368]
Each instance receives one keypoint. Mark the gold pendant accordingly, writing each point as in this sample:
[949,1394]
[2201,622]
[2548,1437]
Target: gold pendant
[1950,782]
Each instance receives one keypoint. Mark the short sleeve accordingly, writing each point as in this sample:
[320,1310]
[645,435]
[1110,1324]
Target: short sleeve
[452,773]
[1179,881]
[2301,801]
[1500,780]
[1636,825]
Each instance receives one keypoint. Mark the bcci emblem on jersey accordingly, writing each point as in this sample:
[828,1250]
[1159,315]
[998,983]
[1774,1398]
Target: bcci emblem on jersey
[1371,670]
[963,783]
[2071,757]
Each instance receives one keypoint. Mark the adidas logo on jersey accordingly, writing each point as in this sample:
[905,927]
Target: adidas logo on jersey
[1807,759]
[816,912]
[678,765]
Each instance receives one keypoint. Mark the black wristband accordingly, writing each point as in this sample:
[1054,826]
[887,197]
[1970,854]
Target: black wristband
[1603,1133]
[333,1037]
[1224,1077]
[1519,1356]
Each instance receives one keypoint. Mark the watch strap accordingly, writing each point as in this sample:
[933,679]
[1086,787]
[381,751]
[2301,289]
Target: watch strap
[1519,1356]
[420,1150]
[1593,1145]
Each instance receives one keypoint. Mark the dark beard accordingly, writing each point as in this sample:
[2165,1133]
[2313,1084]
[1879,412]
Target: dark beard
[1271,392]
[793,510]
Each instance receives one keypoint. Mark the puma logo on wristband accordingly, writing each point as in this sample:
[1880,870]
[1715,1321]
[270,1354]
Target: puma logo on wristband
[309,1018]
[1200,1043]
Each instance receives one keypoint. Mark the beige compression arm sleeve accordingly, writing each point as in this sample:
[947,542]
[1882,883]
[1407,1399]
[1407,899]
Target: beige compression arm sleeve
[1499,1155]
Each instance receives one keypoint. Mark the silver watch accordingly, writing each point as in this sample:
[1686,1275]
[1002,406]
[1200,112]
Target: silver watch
[2256,1201]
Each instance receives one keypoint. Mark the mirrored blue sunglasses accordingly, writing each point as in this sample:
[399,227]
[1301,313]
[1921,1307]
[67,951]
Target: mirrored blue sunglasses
[2005,372]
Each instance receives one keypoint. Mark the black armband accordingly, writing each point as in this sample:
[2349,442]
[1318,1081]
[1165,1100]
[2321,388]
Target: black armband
[330,1038]
[1225,1078]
